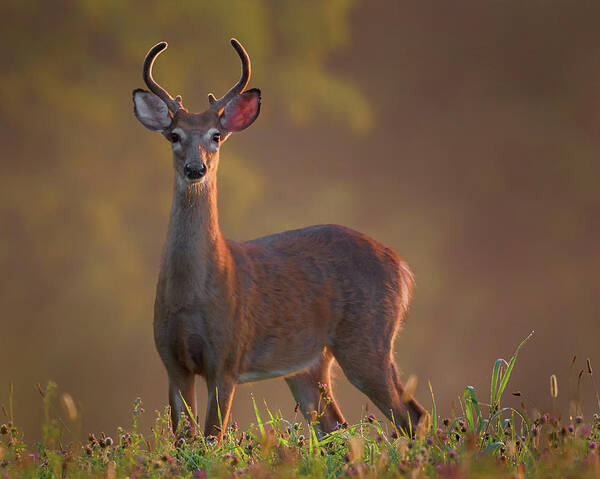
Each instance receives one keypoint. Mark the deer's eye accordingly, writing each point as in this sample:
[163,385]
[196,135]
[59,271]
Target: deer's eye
[216,137]
[174,137]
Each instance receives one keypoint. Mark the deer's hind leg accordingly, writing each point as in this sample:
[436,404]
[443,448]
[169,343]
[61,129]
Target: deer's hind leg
[382,385]
[307,393]
[367,361]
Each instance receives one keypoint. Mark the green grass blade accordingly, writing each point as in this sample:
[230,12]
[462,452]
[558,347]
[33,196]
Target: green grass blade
[261,428]
[433,412]
[494,386]
[470,392]
[511,364]
[219,410]
[193,419]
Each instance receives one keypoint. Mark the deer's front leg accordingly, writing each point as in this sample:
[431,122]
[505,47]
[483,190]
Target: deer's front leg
[181,388]
[220,396]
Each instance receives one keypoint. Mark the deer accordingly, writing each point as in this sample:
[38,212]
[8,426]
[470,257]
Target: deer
[285,305]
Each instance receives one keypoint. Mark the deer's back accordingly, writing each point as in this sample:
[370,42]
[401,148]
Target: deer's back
[322,275]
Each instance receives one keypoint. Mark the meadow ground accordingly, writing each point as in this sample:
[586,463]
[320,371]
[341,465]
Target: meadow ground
[486,440]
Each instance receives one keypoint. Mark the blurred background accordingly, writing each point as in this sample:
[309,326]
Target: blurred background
[463,134]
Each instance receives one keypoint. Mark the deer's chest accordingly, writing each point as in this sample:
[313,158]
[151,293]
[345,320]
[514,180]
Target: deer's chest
[184,340]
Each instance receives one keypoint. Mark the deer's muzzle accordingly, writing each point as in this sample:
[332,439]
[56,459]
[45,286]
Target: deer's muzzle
[194,170]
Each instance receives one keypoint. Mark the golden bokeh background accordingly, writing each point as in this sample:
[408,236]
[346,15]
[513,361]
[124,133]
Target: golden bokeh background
[464,134]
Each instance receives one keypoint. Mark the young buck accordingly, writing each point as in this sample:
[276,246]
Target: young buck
[283,305]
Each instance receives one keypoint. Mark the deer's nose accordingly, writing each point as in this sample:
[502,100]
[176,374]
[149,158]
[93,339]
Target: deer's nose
[194,171]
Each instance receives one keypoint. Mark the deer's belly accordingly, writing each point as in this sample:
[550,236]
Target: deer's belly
[257,374]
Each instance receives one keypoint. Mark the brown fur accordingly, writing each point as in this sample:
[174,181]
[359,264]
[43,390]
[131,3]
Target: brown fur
[282,305]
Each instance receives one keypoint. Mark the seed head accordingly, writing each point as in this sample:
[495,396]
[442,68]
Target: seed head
[108,441]
[553,386]
[3,429]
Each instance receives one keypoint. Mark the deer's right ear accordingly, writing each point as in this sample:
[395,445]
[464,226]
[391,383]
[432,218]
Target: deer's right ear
[152,112]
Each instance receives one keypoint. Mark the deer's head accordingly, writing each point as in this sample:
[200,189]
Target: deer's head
[196,137]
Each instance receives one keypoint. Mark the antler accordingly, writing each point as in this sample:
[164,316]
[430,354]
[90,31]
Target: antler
[174,104]
[240,85]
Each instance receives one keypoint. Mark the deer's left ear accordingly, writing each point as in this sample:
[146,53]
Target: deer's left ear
[241,111]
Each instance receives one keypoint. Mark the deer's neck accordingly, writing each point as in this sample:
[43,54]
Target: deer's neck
[197,261]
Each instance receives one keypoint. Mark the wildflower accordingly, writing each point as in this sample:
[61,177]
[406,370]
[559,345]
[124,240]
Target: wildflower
[108,441]
[394,435]
[452,453]
[347,457]
[371,418]
[571,428]
[429,441]
[579,419]
[199,474]
[446,422]
[235,425]
[593,445]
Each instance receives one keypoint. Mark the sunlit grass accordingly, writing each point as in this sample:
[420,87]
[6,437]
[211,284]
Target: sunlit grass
[484,440]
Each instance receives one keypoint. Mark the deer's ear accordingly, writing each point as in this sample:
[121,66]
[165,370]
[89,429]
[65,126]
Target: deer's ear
[152,112]
[241,111]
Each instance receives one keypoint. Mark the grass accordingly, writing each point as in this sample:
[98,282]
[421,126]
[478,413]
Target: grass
[486,440]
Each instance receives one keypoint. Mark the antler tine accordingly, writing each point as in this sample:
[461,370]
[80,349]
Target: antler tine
[240,85]
[174,104]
